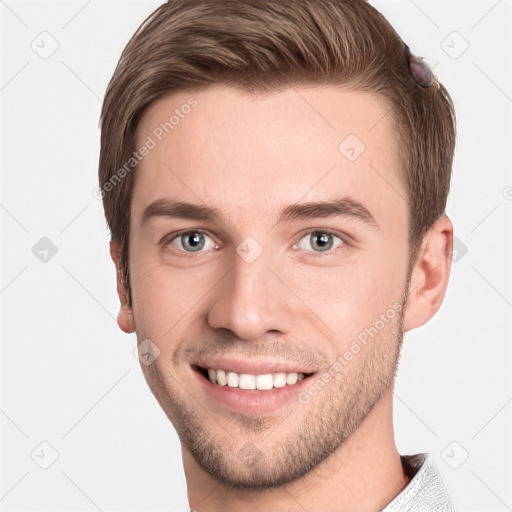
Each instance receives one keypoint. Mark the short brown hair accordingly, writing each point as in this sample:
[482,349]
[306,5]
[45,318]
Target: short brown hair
[261,45]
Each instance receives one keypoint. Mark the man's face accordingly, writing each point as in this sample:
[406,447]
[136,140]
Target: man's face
[249,288]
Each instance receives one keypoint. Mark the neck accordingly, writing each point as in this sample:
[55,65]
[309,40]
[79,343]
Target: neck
[365,473]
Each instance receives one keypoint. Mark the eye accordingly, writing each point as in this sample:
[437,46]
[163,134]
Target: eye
[321,241]
[191,242]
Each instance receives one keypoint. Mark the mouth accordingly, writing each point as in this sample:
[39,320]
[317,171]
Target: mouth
[251,382]
[260,392]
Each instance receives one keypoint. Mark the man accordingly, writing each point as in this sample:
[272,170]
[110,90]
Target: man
[274,176]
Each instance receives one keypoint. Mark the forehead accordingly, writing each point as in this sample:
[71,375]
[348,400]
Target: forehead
[240,153]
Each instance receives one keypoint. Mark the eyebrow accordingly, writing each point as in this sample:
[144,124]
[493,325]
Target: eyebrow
[335,207]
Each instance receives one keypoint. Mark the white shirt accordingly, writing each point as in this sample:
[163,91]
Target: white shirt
[426,491]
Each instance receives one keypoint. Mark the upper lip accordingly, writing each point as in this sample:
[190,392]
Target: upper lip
[254,367]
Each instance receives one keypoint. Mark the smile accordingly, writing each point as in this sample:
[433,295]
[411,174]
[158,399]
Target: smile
[256,388]
[249,381]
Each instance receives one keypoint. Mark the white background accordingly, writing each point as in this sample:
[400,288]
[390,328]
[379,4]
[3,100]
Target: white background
[68,374]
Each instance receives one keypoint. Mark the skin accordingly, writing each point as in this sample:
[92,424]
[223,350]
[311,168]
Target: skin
[249,157]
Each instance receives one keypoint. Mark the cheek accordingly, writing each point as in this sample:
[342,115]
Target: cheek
[352,296]
[163,296]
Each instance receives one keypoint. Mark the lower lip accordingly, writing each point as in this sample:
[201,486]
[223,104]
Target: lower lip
[249,401]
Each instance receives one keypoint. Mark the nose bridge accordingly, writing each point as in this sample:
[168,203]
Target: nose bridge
[252,300]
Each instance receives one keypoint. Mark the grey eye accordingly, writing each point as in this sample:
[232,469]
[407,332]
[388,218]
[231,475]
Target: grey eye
[192,241]
[320,241]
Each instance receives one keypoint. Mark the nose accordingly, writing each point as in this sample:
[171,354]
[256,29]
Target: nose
[252,301]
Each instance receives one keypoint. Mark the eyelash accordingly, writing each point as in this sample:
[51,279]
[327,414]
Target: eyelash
[168,241]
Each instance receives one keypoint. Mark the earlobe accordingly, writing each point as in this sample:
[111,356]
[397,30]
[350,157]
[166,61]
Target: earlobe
[125,316]
[429,275]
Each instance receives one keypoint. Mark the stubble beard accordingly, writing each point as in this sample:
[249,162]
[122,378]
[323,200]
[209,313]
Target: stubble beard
[246,452]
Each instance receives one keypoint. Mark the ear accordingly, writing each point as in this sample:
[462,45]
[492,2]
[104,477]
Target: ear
[429,275]
[125,316]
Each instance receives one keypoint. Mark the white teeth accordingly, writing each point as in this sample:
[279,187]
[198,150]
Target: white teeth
[291,379]
[262,382]
[232,379]
[221,377]
[247,381]
[280,380]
